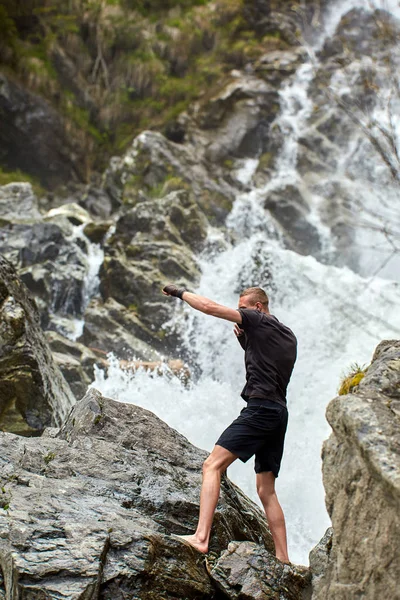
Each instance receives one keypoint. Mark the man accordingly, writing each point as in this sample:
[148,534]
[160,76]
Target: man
[270,354]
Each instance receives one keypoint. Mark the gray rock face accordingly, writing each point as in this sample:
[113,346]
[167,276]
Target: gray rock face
[112,327]
[75,361]
[89,512]
[154,164]
[33,392]
[50,255]
[247,571]
[18,203]
[290,210]
[32,137]
[361,470]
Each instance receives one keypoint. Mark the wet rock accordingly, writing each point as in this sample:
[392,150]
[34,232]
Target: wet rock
[236,120]
[75,361]
[51,255]
[248,571]
[90,511]
[96,232]
[275,66]
[33,392]
[174,218]
[71,211]
[111,327]
[18,203]
[98,202]
[361,471]
[153,244]
[290,209]
[154,163]
[33,139]
[361,33]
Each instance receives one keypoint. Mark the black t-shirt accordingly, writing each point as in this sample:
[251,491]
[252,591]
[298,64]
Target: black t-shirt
[270,353]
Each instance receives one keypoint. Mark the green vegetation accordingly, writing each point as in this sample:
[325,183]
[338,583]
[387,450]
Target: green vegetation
[115,67]
[49,457]
[17,176]
[351,379]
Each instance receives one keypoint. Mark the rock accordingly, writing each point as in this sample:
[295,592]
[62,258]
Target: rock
[319,557]
[18,203]
[75,361]
[33,138]
[153,244]
[90,511]
[275,66]
[33,392]
[361,471]
[111,327]
[174,217]
[154,163]
[97,231]
[72,211]
[290,209]
[248,571]
[237,118]
[51,255]
[362,33]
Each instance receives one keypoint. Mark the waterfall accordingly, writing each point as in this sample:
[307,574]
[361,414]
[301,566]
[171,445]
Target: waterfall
[338,315]
[69,321]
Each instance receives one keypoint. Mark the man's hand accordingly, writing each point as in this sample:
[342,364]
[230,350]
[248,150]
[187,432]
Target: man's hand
[238,332]
[173,290]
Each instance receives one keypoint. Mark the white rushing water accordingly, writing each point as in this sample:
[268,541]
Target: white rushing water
[338,316]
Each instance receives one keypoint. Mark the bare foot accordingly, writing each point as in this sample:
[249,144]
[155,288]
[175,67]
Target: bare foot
[192,541]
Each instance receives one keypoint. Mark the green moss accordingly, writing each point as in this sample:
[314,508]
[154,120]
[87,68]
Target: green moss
[265,161]
[351,379]
[159,56]
[19,176]
[228,163]
[97,419]
[49,457]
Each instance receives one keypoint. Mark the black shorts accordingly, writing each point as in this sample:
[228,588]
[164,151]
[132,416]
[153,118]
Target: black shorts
[259,430]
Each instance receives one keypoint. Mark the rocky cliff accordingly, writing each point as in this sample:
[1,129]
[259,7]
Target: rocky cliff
[361,471]
[88,512]
[33,392]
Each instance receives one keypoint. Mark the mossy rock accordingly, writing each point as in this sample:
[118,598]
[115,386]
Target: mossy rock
[350,382]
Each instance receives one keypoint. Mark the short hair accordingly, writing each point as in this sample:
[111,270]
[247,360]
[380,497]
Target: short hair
[257,294]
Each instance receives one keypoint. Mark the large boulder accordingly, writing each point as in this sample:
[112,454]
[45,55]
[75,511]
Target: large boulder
[90,511]
[154,165]
[33,392]
[248,571]
[361,471]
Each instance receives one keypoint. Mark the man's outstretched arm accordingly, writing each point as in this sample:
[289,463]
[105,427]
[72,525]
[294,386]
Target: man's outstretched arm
[204,305]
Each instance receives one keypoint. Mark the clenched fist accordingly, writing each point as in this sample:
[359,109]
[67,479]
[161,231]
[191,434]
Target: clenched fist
[173,290]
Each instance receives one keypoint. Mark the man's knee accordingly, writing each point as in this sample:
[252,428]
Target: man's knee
[219,460]
[265,484]
[212,464]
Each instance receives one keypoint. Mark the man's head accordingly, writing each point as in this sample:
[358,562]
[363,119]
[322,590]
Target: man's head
[255,298]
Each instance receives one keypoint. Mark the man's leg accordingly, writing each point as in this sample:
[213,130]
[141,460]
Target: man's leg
[273,510]
[213,467]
